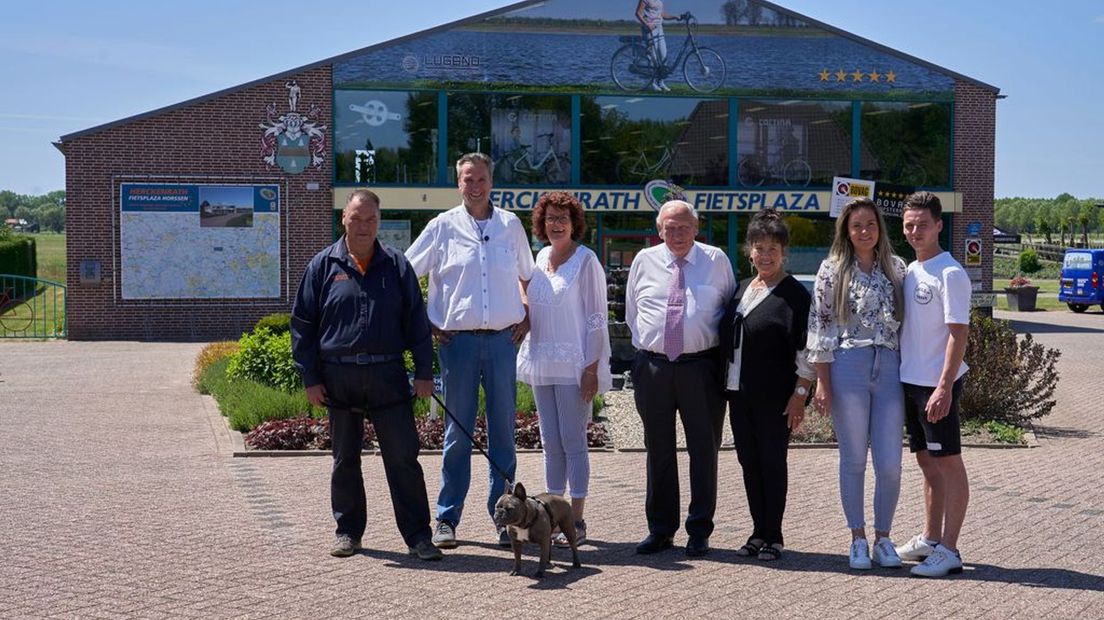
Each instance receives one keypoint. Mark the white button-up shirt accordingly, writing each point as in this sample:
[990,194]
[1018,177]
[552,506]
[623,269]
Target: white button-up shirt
[709,285]
[473,275]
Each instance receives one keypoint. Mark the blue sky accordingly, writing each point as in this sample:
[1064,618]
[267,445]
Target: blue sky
[73,65]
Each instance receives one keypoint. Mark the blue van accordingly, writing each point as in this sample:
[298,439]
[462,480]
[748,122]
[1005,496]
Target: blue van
[1081,285]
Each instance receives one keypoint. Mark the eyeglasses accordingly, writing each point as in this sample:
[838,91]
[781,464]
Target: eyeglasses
[558,219]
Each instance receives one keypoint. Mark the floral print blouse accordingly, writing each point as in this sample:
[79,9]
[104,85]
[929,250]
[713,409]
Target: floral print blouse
[870,298]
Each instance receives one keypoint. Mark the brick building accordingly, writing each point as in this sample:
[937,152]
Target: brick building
[201,216]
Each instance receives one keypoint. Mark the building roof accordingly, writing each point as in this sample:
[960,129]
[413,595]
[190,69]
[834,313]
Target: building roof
[480,17]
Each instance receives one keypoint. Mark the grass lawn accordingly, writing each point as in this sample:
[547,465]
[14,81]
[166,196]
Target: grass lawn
[51,256]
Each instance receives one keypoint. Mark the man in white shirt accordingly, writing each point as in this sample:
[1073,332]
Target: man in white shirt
[674,299]
[479,262]
[933,345]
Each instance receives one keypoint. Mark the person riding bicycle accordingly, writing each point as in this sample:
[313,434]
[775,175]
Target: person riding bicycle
[650,14]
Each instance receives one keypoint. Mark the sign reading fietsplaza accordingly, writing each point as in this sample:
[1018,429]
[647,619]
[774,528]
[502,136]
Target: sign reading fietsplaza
[180,241]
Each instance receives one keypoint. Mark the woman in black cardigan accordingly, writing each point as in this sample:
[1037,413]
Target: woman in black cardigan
[768,379]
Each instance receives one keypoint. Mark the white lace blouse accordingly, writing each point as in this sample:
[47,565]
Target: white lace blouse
[568,326]
[870,300]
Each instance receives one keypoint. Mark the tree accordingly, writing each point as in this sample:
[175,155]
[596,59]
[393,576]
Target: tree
[52,218]
[1043,226]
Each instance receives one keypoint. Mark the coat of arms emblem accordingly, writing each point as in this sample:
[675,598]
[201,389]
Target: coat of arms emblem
[292,140]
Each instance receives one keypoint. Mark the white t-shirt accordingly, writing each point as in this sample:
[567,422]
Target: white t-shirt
[473,273]
[568,322]
[937,293]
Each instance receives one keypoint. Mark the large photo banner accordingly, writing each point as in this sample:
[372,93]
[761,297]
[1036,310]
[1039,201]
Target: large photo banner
[190,241]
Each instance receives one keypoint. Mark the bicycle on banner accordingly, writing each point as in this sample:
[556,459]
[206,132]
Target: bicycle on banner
[639,65]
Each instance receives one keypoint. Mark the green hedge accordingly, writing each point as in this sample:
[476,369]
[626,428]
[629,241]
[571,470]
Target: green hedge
[17,257]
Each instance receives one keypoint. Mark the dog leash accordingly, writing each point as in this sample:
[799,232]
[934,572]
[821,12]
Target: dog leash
[330,403]
[509,482]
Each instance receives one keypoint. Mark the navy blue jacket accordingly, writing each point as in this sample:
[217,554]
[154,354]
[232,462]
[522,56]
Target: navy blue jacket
[338,311]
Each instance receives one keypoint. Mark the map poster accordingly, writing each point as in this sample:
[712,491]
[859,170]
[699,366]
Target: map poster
[395,233]
[189,241]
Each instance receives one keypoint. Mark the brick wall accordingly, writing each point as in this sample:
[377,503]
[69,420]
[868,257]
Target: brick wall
[975,127]
[214,141]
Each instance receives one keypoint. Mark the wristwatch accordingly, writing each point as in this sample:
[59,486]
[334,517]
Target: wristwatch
[801,390]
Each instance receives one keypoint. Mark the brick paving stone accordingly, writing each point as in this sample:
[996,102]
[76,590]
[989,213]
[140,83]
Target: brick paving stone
[121,499]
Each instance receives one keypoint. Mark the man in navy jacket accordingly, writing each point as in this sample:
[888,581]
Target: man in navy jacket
[357,309]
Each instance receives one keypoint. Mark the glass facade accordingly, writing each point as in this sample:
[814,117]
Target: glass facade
[906,143]
[528,136]
[793,143]
[383,137]
[632,140]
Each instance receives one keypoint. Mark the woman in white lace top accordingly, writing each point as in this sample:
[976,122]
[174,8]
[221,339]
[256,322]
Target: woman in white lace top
[853,344]
[566,355]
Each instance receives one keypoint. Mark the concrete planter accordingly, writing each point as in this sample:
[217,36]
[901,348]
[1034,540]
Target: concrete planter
[1021,298]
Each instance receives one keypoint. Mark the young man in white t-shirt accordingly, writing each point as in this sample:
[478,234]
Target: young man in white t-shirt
[933,345]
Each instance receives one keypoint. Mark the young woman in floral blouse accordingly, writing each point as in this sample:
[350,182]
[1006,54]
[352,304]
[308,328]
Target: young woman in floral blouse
[853,344]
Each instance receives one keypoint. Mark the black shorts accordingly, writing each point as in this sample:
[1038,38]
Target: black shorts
[942,438]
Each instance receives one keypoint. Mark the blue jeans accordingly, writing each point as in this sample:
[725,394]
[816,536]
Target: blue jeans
[468,361]
[563,427]
[868,408]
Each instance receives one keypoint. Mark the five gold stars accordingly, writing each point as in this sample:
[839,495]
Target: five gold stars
[857,76]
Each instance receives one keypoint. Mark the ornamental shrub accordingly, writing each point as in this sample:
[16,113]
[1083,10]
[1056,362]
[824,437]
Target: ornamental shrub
[1011,379]
[209,355]
[265,357]
[1029,261]
[277,323]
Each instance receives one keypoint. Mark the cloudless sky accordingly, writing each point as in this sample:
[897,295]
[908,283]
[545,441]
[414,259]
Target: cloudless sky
[71,65]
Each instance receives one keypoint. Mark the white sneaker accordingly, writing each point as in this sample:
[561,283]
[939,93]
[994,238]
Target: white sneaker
[654,86]
[663,86]
[885,555]
[940,563]
[916,549]
[860,554]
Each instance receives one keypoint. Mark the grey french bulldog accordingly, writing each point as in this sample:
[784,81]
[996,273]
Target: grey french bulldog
[531,519]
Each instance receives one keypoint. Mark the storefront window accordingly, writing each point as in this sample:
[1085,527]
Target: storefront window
[529,136]
[383,136]
[793,143]
[633,140]
[907,143]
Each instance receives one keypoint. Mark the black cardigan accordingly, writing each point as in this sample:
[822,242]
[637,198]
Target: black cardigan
[771,334]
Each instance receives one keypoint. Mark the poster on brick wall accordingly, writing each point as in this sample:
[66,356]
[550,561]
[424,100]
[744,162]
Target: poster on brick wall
[187,241]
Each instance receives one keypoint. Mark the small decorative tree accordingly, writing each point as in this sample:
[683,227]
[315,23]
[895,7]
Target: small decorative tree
[1011,379]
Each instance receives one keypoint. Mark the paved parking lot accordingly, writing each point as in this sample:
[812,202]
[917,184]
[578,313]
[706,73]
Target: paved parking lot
[120,498]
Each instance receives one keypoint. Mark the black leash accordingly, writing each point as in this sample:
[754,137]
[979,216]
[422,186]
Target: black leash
[332,404]
[509,482]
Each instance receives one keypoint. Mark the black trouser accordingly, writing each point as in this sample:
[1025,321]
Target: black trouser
[370,386]
[692,387]
[762,438]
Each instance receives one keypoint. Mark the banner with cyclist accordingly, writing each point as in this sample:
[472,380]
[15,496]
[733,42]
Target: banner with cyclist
[741,47]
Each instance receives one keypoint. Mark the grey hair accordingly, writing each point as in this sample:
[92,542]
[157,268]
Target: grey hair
[470,158]
[678,203]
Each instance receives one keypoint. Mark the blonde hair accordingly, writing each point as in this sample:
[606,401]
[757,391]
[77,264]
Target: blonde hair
[842,254]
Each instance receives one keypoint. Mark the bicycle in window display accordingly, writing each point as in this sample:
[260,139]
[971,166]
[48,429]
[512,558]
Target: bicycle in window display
[754,171]
[518,164]
[640,169]
[633,65]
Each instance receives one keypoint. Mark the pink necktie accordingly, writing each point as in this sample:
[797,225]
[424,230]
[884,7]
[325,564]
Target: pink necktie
[676,303]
